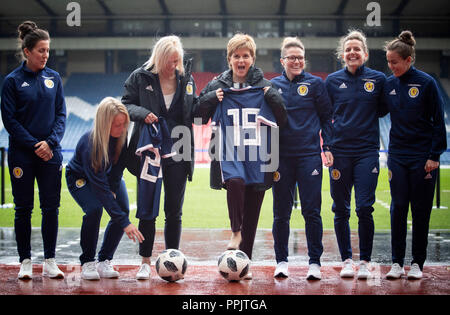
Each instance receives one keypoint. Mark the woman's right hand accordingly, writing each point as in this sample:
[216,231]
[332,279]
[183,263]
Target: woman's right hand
[219,94]
[151,118]
[133,233]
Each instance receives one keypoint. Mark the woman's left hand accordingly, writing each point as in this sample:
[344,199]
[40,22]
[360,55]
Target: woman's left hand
[431,165]
[265,89]
[43,151]
[133,233]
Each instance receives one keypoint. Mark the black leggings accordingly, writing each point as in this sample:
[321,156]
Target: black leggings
[244,207]
[174,179]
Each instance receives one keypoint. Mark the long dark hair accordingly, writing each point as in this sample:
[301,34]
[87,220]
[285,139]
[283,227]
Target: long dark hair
[29,36]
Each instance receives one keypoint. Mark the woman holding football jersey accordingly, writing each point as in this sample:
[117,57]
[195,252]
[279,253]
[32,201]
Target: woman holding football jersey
[34,114]
[355,93]
[309,112]
[244,201]
[416,140]
[163,87]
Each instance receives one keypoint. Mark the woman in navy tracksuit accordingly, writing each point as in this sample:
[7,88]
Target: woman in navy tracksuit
[309,111]
[355,93]
[417,139]
[34,114]
[94,179]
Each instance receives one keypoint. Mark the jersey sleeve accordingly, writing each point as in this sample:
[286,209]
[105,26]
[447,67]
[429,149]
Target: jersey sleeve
[9,107]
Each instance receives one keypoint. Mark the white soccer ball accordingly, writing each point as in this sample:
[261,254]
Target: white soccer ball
[234,265]
[171,265]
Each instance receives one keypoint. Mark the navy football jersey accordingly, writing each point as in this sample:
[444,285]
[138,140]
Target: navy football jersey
[154,143]
[241,143]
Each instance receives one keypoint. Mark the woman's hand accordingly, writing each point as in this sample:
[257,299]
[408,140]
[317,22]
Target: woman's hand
[219,94]
[431,165]
[43,151]
[151,118]
[329,160]
[133,233]
[265,89]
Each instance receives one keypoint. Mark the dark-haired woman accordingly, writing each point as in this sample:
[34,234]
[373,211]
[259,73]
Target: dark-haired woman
[417,139]
[34,114]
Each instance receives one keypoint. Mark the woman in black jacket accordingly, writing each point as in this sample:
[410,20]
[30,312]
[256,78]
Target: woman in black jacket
[244,201]
[163,87]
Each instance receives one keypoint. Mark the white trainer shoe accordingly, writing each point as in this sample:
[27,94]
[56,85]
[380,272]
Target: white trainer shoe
[363,272]
[144,272]
[415,273]
[89,271]
[281,271]
[396,272]
[314,272]
[347,269]
[50,269]
[26,270]
[106,270]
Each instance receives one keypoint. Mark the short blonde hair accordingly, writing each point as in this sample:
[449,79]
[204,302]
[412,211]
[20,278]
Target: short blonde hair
[107,110]
[162,50]
[289,42]
[352,34]
[239,41]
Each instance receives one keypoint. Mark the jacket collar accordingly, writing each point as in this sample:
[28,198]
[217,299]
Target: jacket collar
[29,71]
[411,71]
[254,75]
[297,78]
[358,71]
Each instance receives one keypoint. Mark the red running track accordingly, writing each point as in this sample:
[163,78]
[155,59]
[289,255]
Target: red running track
[205,280]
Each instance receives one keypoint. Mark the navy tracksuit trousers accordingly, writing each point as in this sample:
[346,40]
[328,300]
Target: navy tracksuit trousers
[410,184]
[362,173]
[90,227]
[24,169]
[307,173]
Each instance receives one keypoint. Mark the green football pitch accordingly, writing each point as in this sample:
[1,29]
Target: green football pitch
[207,208]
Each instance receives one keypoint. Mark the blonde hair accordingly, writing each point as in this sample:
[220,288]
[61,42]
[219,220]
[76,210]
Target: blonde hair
[108,109]
[404,45]
[239,41]
[289,42]
[162,50]
[352,34]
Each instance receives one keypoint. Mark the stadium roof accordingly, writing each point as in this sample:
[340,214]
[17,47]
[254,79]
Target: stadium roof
[13,10]
[130,24]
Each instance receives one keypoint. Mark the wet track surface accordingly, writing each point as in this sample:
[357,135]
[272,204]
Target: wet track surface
[202,248]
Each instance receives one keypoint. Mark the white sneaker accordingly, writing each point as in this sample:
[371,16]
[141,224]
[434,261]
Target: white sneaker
[314,272]
[26,270]
[144,272]
[347,269]
[89,271]
[363,272]
[50,269]
[396,272]
[106,270]
[282,270]
[415,273]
